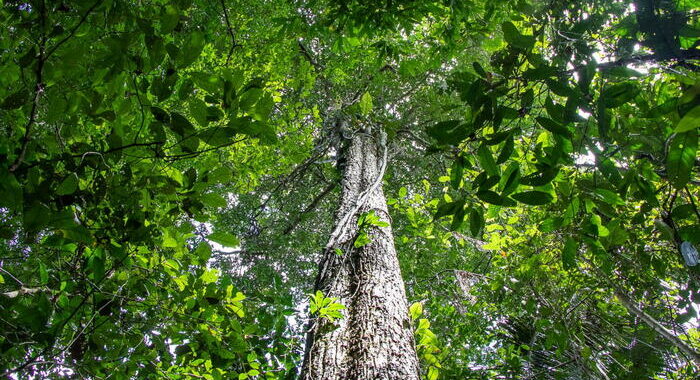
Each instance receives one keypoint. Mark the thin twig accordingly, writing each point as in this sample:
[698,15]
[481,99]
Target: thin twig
[230,32]
[39,87]
[108,151]
[72,31]
[310,207]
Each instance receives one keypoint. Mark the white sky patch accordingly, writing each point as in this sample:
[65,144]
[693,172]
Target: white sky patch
[585,159]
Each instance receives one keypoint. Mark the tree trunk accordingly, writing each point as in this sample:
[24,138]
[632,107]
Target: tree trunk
[374,340]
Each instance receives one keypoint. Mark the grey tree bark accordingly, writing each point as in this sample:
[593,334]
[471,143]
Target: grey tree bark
[374,340]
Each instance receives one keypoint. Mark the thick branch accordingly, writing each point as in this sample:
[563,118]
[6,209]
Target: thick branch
[658,327]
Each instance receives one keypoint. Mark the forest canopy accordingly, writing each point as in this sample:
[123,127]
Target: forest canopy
[326,189]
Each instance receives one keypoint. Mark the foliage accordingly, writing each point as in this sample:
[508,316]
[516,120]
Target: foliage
[325,307]
[168,176]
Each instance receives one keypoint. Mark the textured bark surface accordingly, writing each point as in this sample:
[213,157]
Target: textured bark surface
[375,339]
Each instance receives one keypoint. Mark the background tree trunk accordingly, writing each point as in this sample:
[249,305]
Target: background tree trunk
[375,339]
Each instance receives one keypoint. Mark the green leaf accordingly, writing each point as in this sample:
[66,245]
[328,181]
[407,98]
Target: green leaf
[486,160]
[690,121]
[169,19]
[415,310]
[476,221]
[540,178]
[527,98]
[513,36]
[458,218]
[366,103]
[43,274]
[69,185]
[203,251]
[263,108]
[513,180]
[209,276]
[96,263]
[15,100]
[619,94]
[479,69]
[192,48]
[249,98]
[506,151]
[456,173]
[213,200]
[225,239]
[263,131]
[180,125]
[489,196]
[198,110]
[447,209]
[450,132]
[609,197]
[216,136]
[568,254]
[554,127]
[160,115]
[207,82]
[533,198]
[681,158]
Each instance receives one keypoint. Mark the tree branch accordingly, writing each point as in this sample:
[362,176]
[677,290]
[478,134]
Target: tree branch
[658,327]
[108,151]
[234,44]
[39,87]
[308,56]
[683,55]
[310,207]
[72,31]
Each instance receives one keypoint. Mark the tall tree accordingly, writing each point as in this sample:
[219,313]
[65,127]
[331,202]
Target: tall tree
[174,174]
[360,268]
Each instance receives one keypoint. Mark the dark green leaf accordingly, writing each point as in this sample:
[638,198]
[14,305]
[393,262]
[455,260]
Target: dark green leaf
[15,100]
[619,94]
[169,19]
[681,157]
[506,150]
[479,69]
[690,121]
[160,115]
[447,209]
[568,254]
[198,110]
[486,160]
[180,125]
[513,36]
[533,198]
[489,182]
[450,132]
[609,197]
[554,127]
[458,218]
[456,173]
[476,221]
[540,178]
[69,185]
[513,180]
[192,48]
[489,196]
